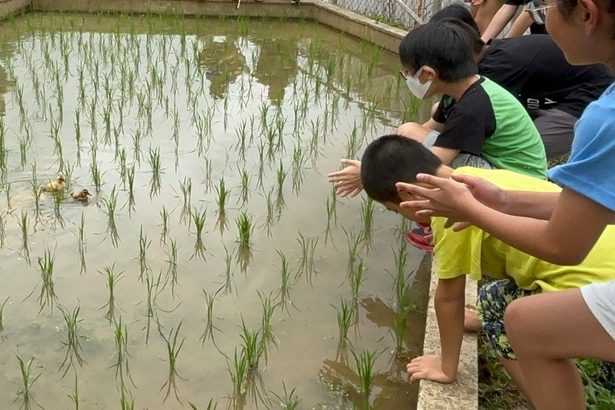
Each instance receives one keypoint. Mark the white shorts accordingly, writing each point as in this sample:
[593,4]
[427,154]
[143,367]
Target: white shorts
[462,159]
[600,298]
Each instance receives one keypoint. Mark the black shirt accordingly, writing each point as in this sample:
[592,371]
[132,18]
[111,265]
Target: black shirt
[534,70]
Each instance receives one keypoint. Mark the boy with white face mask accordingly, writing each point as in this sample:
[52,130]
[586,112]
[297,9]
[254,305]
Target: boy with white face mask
[477,123]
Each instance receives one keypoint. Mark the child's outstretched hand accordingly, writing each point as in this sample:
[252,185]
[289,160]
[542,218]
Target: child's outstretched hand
[428,367]
[347,182]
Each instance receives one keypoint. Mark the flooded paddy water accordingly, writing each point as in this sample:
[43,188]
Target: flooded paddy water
[212,262]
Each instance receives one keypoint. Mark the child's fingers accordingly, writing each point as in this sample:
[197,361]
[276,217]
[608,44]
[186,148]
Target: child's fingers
[351,162]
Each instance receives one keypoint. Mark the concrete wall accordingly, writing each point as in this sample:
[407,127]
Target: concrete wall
[10,7]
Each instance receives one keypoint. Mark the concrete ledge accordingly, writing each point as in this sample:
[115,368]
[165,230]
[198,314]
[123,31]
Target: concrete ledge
[336,17]
[463,394]
[11,7]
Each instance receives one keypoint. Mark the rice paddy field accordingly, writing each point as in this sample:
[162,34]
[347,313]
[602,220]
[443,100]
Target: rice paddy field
[212,265]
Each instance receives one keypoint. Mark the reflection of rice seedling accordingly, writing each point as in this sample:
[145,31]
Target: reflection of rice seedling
[144,245]
[280,176]
[26,381]
[199,223]
[47,294]
[164,216]
[73,339]
[111,279]
[400,285]
[96,176]
[308,248]
[270,211]
[298,167]
[186,188]
[2,230]
[245,228]
[288,400]
[399,327]
[111,205]
[242,133]
[364,363]
[208,333]
[7,195]
[136,145]
[24,225]
[37,190]
[58,197]
[24,145]
[154,287]
[356,279]
[222,196]
[172,265]
[173,350]
[353,143]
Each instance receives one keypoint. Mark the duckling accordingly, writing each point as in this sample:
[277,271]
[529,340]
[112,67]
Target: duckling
[55,185]
[81,195]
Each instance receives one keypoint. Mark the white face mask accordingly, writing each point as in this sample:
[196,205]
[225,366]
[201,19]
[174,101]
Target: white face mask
[415,86]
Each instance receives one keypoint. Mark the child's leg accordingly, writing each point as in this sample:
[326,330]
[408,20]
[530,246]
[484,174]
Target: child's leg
[493,298]
[548,330]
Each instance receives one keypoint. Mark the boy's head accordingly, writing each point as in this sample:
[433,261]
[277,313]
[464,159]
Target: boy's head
[437,54]
[461,14]
[391,159]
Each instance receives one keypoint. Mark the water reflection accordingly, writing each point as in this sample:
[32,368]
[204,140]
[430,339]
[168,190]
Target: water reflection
[223,62]
[3,89]
[276,66]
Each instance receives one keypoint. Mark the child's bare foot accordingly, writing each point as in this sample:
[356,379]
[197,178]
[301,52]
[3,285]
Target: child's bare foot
[471,323]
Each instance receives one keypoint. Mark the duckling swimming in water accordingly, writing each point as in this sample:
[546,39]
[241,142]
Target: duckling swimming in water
[81,195]
[55,185]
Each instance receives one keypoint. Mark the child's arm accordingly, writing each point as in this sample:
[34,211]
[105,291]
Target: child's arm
[500,20]
[520,26]
[449,304]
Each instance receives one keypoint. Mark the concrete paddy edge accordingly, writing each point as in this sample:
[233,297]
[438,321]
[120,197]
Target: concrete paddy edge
[463,394]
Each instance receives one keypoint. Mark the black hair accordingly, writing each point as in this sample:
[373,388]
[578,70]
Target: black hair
[456,11]
[391,159]
[446,45]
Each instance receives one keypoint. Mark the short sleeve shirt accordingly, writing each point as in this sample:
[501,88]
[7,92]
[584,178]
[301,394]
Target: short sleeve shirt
[490,122]
[477,253]
[589,170]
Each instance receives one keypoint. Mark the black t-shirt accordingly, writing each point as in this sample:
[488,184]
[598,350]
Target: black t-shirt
[534,70]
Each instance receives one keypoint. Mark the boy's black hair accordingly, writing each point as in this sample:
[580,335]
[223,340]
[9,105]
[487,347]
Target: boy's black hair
[445,45]
[456,11]
[394,158]
[461,14]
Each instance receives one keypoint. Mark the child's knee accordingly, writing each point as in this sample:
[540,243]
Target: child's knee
[413,130]
[517,319]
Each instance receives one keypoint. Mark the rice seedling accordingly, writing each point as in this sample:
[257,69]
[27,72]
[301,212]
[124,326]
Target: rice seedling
[308,249]
[186,189]
[268,308]
[2,230]
[354,246]
[47,295]
[289,399]
[96,175]
[7,195]
[121,354]
[245,228]
[238,370]
[127,401]
[2,314]
[154,286]
[400,279]
[222,194]
[81,244]
[367,217]
[353,143]
[111,205]
[154,161]
[356,280]
[346,315]
[131,185]
[37,190]
[172,265]
[199,223]
[73,339]
[164,217]
[364,363]
[26,384]
[208,332]
[245,185]
[111,279]
[251,347]
[286,276]
[270,211]
[24,225]
[24,145]
[298,165]
[144,245]
[58,197]
[173,350]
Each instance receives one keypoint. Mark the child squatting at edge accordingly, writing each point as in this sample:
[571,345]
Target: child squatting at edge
[474,252]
